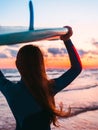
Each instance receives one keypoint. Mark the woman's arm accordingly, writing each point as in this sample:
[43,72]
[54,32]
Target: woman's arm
[2,81]
[2,77]
[76,67]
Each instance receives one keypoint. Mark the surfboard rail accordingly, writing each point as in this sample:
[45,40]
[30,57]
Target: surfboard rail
[31,35]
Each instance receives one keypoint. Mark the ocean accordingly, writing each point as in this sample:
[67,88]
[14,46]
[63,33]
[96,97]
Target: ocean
[81,95]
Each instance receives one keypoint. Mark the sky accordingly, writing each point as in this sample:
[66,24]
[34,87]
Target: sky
[81,15]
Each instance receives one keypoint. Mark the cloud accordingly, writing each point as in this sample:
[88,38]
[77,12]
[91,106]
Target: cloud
[94,52]
[8,53]
[62,51]
[56,51]
[95,43]
[13,53]
[3,55]
[82,52]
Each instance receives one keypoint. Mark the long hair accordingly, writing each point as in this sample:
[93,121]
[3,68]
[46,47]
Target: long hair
[30,64]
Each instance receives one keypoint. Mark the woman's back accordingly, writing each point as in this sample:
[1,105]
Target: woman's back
[29,115]
[37,121]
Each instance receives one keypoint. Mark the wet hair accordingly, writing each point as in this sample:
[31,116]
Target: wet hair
[30,64]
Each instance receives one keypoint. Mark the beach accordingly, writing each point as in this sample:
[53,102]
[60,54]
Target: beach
[80,95]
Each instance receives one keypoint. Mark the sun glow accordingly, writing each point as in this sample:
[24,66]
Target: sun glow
[54,62]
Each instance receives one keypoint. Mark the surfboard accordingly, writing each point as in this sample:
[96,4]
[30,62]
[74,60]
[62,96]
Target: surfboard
[30,35]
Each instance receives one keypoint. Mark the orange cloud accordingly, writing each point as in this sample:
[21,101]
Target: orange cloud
[90,61]
[58,61]
[7,63]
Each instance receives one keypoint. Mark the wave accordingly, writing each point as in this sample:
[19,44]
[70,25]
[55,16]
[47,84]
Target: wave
[76,89]
[78,110]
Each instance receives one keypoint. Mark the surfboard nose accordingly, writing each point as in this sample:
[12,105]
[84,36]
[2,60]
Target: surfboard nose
[31,24]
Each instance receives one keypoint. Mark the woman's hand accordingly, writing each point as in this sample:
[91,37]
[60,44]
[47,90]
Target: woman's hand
[68,35]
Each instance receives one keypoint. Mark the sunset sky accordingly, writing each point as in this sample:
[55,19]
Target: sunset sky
[81,15]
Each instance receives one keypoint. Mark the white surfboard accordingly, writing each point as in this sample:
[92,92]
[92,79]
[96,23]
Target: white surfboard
[30,35]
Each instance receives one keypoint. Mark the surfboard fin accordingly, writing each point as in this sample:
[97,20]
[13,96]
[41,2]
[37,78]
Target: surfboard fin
[31,25]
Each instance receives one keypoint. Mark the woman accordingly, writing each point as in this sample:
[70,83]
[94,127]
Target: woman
[32,99]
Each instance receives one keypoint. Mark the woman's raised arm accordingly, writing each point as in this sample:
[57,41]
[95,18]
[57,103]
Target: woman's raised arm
[76,66]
